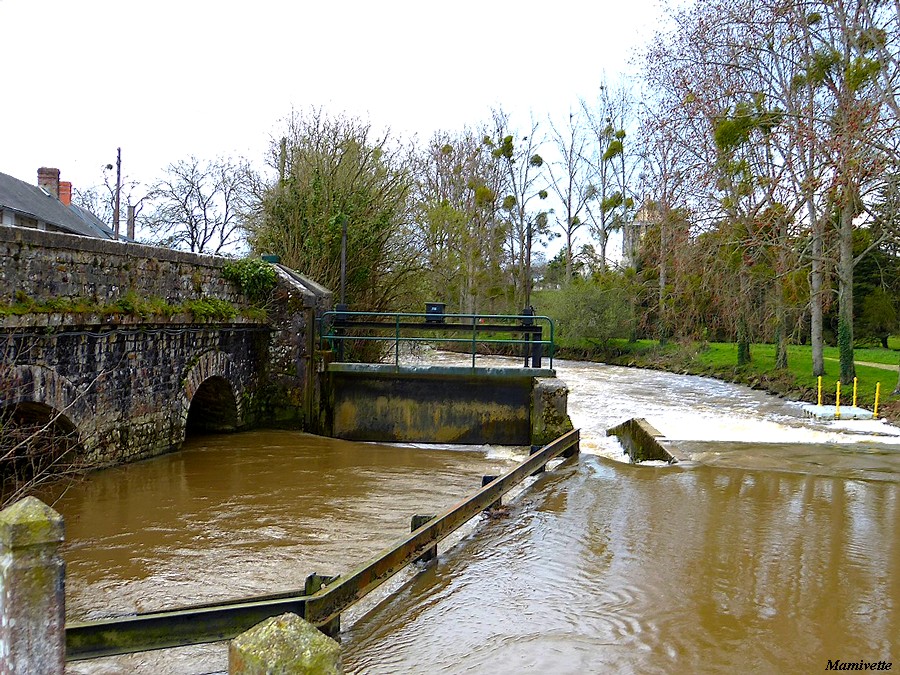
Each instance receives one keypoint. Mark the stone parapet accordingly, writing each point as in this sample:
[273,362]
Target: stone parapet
[51,265]
[125,382]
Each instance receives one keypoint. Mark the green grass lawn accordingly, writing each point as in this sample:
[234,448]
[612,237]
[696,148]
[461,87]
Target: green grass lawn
[719,359]
[723,356]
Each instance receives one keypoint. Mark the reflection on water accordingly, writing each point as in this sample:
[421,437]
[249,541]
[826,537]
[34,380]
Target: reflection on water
[245,514]
[776,549]
[618,568]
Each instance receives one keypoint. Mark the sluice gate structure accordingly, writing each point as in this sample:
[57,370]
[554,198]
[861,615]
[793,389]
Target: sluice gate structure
[394,402]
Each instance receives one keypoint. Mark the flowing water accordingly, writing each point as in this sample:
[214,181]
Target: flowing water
[776,549]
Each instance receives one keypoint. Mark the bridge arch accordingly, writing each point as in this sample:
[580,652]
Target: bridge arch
[40,418]
[32,384]
[211,399]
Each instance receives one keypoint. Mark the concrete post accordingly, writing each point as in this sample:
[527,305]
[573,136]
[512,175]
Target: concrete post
[284,644]
[32,589]
[549,414]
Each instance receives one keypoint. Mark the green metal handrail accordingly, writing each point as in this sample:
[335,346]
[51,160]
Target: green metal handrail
[399,322]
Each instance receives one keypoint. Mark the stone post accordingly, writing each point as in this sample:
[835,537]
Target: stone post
[32,590]
[284,644]
[549,414]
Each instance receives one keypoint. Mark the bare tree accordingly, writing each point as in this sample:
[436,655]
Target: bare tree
[613,165]
[666,171]
[845,69]
[524,184]
[100,199]
[570,181]
[200,206]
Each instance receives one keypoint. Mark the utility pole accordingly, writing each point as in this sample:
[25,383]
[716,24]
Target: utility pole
[118,192]
[130,221]
[343,260]
[528,264]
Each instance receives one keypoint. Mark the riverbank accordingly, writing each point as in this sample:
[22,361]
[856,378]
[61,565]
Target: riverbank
[717,360]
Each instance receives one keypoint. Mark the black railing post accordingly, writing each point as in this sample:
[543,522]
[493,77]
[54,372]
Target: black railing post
[537,349]
[339,333]
[528,320]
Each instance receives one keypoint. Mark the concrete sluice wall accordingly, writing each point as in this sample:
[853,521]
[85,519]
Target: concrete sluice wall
[446,404]
[644,443]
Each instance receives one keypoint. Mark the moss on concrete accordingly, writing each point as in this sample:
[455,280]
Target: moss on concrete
[284,644]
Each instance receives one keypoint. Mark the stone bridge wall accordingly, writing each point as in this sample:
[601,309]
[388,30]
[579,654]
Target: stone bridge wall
[127,382]
[46,265]
[128,391]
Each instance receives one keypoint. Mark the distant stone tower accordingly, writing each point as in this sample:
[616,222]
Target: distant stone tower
[634,231]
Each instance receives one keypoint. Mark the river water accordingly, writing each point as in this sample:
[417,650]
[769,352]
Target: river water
[776,549]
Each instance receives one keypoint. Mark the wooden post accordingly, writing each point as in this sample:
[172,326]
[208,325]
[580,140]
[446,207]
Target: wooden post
[32,590]
[487,480]
[415,523]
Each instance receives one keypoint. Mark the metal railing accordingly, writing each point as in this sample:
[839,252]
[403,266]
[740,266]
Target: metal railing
[336,326]
[323,599]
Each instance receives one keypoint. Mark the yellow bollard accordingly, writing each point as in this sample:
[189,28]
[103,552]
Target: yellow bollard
[877,394]
[837,402]
[820,390]
[854,392]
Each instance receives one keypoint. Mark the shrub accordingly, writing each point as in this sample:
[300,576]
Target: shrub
[256,278]
[210,309]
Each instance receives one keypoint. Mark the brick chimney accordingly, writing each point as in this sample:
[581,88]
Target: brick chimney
[48,179]
[65,192]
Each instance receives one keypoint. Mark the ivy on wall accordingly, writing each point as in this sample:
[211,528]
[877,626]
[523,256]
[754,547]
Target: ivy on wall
[256,278]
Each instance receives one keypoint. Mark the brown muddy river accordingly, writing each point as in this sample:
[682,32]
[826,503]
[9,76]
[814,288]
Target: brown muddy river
[776,550]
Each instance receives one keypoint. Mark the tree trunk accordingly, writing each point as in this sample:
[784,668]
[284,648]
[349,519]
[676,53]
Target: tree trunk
[781,355]
[816,285]
[527,302]
[897,389]
[845,288]
[602,240]
[781,329]
[663,325]
[743,329]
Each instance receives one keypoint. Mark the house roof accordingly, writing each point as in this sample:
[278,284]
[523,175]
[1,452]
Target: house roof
[32,201]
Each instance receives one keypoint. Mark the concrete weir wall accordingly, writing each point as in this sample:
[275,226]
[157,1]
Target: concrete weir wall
[505,406]
[644,443]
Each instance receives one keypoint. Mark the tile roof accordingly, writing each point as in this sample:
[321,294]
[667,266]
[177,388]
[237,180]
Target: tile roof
[32,201]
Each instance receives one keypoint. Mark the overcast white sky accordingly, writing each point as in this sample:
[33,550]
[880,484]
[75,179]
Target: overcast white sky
[169,79]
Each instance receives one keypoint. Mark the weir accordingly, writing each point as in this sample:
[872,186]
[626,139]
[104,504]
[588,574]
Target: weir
[427,404]
[644,443]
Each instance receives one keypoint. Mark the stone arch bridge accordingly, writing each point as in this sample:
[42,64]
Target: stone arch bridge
[128,385]
[101,351]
